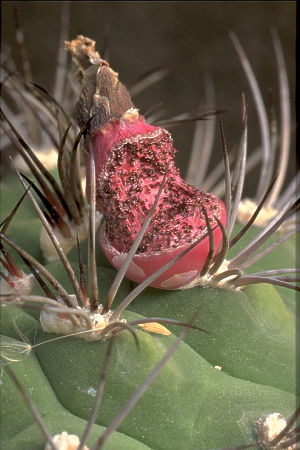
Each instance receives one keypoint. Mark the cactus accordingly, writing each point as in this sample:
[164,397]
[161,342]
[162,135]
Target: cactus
[207,385]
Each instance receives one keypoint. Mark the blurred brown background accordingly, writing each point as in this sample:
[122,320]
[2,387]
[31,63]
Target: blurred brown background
[190,36]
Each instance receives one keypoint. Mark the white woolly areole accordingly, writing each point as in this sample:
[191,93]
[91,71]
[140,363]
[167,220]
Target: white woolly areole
[47,156]
[52,323]
[66,243]
[269,427]
[247,208]
[209,281]
[66,441]
[22,286]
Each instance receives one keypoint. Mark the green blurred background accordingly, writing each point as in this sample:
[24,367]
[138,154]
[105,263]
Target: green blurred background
[190,37]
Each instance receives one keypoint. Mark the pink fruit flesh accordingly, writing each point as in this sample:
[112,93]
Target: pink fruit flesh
[131,159]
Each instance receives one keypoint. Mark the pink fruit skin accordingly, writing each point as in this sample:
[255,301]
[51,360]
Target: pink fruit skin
[183,272]
[105,140]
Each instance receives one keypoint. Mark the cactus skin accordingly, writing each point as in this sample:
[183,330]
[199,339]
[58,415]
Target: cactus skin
[250,331]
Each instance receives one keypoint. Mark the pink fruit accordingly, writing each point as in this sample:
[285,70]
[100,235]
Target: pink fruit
[128,174]
[131,158]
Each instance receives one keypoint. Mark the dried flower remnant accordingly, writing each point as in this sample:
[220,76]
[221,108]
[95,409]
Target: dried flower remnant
[131,159]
